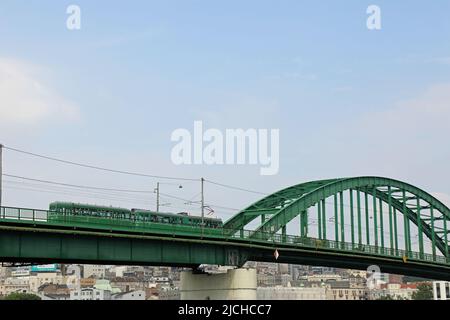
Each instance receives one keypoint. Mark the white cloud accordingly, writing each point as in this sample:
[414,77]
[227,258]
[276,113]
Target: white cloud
[408,141]
[426,114]
[25,98]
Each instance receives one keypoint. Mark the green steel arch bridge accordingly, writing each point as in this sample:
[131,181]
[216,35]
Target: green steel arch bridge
[345,222]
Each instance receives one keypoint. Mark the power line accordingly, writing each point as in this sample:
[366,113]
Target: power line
[190,202]
[129,172]
[236,188]
[175,197]
[93,196]
[110,197]
[75,191]
[135,174]
[186,201]
[195,196]
[76,186]
[98,168]
[222,207]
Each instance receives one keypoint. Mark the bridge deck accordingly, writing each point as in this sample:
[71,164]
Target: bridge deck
[30,220]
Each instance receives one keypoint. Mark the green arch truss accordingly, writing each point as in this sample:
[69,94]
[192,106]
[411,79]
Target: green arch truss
[402,204]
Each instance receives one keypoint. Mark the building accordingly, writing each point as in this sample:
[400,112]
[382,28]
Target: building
[119,271]
[343,290]
[90,294]
[169,293]
[290,293]
[395,290]
[272,280]
[12,285]
[95,271]
[266,268]
[441,290]
[403,291]
[73,269]
[127,284]
[357,273]
[87,282]
[395,278]
[322,277]
[3,272]
[54,292]
[132,295]
[105,285]
[323,270]
[20,272]
[152,293]
[283,268]
[40,279]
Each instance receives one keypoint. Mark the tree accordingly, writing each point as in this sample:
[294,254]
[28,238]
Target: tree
[424,292]
[391,297]
[386,297]
[21,296]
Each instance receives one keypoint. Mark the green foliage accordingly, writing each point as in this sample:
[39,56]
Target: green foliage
[21,296]
[386,297]
[391,297]
[409,279]
[424,292]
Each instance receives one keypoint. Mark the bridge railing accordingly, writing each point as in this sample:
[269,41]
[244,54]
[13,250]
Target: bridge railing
[23,214]
[44,216]
[331,244]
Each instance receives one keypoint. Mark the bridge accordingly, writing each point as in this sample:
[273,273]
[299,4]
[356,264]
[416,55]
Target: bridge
[345,222]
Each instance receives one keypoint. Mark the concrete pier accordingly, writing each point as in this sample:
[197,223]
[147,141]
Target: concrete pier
[236,284]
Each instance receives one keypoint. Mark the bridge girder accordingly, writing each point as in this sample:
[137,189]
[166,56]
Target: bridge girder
[291,202]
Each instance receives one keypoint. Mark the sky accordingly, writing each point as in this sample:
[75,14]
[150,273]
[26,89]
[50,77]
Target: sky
[348,101]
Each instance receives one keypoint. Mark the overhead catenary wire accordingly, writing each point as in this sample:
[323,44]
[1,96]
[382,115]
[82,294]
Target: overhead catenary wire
[93,192]
[187,201]
[93,196]
[165,195]
[74,190]
[115,197]
[129,172]
[96,196]
[123,172]
[97,167]
[141,174]
[76,186]
[111,197]
[236,188]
